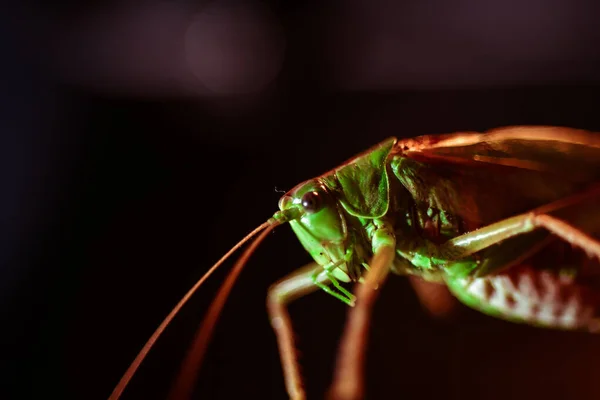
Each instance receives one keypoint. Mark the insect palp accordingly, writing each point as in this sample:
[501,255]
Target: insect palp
[342,294]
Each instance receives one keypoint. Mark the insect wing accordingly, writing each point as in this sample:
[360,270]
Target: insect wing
[484,177]
[561,151]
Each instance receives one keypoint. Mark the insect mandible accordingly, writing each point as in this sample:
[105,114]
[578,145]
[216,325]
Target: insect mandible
[509,220]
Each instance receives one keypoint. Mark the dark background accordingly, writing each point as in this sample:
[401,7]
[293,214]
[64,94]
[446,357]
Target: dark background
[131,162]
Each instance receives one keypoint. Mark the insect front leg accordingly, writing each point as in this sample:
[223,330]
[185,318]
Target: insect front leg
[288,289]
[348,378]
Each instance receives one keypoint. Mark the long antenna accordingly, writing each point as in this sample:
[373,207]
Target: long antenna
[184,384]
[118,390]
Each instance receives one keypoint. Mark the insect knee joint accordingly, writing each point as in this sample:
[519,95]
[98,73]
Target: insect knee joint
[275,295]
[531,221]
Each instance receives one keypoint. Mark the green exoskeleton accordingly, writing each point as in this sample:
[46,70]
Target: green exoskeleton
[509,220]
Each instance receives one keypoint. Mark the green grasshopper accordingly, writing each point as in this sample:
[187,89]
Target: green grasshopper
[509,220]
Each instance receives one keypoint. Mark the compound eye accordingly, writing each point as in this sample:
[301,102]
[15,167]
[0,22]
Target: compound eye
[311,202]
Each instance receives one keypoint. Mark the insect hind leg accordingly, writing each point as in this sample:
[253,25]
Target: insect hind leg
[575,219]
[541,296]
[569,233]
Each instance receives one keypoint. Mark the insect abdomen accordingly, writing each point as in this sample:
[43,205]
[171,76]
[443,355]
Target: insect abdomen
[537,297]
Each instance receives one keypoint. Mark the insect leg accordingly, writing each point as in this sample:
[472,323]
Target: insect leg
[574,219]
[569,233]
[288,289]
[434,297]
[348,379]
[537,297]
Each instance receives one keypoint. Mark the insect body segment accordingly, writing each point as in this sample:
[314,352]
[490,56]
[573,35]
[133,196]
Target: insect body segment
[533,296]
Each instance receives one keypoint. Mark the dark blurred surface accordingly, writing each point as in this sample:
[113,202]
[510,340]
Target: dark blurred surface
[141,142]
